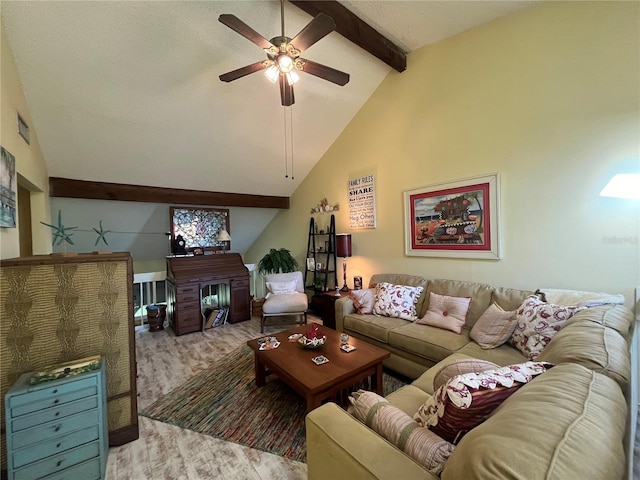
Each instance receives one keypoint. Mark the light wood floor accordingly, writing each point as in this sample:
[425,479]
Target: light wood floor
[167,452]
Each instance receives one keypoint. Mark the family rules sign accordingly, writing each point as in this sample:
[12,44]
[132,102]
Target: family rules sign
[362,202]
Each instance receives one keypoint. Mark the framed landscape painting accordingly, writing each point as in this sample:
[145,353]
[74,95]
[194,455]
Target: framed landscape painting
[459,219]
[7,189]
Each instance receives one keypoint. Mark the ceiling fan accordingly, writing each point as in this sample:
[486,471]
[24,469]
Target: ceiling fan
[283,54]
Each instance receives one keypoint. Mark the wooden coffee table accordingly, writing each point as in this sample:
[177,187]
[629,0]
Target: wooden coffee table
[344,372]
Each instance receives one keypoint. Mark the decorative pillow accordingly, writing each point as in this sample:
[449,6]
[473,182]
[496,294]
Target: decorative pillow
[446,312]
[537,323]
[466,401]
[494,327]
[467,365]
[396,300]
[281,288]
[363,300]
[397,427]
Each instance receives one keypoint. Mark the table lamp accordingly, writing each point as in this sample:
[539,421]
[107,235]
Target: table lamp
[343,249]
[224,237]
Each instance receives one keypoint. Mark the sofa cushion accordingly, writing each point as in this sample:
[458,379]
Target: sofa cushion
[503,355]
[373,326]
[427,342]
[466,400]
[579,419]
[461,367]
[419,443]
[396,300]
[289,303]
[363,300]
[479,292]
[617,317]
[593,346]
[509,298]
[446,312]
[538,322]
[494,327]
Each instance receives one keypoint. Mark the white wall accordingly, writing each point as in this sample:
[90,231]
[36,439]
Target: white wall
[549,98]
[30,163]
[140,228]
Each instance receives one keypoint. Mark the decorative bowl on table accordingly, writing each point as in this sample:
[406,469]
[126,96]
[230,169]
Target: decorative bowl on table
[312,342]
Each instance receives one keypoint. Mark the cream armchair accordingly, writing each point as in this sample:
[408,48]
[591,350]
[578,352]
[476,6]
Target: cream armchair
[285,299]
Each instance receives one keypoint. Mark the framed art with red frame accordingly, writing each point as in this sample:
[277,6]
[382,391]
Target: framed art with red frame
[459,219]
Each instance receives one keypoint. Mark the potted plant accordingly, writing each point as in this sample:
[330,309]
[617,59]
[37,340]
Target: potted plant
[277,261]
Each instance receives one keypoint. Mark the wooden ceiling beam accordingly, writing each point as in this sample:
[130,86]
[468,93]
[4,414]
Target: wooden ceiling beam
[66,187]
[356,30]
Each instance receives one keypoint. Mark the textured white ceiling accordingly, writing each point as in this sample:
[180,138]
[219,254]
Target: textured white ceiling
[128,92]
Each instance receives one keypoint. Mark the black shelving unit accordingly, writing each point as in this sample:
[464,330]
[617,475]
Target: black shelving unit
[321,247]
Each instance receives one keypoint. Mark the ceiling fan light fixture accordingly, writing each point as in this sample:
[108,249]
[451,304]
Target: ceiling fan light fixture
[292,77]
[272,73]
[285,63]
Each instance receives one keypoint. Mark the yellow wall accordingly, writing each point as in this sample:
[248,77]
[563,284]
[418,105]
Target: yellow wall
[548,98]
[30,164]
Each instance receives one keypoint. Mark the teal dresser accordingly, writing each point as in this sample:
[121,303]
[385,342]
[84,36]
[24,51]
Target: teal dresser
[57,429]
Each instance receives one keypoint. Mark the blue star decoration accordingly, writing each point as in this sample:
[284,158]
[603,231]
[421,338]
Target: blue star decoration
[60,232]
[101,234]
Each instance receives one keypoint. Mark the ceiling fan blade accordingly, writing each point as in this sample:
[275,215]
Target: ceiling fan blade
[324,72]
[286,92]
[234,23]
[241,72]
[317,28]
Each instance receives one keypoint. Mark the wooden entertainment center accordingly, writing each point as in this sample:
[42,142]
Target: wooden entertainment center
[187,276]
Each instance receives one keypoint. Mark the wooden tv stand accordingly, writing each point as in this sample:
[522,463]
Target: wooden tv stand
[188,276]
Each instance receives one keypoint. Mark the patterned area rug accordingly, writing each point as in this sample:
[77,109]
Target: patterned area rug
[224,402]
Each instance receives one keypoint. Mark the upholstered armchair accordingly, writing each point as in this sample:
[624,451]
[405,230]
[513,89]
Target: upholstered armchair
[285,299]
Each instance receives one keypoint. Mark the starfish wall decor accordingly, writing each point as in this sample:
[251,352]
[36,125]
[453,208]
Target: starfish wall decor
[60,232]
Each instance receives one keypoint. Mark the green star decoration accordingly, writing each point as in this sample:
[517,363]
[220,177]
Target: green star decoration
[101,234]
[60,232]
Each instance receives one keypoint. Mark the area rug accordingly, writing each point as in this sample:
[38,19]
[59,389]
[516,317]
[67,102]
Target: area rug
[224,402]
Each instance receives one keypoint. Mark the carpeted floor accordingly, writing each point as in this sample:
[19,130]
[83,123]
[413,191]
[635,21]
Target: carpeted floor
[223,401]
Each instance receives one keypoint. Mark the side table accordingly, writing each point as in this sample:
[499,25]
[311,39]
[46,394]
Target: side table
[328,307]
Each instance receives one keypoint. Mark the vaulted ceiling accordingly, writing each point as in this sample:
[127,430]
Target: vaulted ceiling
[128,92]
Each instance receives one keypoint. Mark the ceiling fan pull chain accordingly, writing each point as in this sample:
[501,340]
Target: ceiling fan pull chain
[282,15]
[291,122]
[284,118]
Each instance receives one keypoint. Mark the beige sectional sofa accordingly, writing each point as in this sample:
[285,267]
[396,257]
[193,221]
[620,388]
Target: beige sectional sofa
[569,423]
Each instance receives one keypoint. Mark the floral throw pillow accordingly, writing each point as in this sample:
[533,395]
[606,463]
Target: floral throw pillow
[397,427]
[396,300]
[465,401]
[537,323]
[446,312]
[363,300]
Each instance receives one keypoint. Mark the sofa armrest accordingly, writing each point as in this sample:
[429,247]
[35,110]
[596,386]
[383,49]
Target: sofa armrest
[343,306]
[340,447]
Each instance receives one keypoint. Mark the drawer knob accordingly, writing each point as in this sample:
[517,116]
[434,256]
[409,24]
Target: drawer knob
[55,391]
[57,428]
[57,414]
[59,463]
[56,401]
[58,445]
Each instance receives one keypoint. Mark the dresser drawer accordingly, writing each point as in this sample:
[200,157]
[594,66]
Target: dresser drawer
[50,397]
[87,471]
[54,446]
[54,413]
[82,463]
[55,429]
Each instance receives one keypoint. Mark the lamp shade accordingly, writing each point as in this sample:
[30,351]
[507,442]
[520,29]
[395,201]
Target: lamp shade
[343,245]
[223,236]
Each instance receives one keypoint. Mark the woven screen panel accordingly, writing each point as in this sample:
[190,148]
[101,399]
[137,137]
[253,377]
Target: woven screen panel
[59,312]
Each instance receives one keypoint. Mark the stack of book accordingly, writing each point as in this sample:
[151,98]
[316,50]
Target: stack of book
[215,317]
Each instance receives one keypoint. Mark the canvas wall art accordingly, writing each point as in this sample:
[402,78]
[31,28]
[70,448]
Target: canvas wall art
[7,189]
